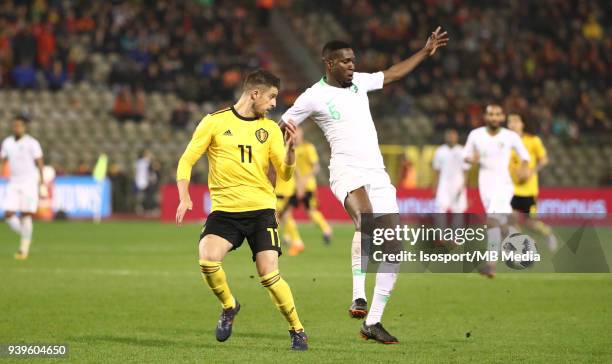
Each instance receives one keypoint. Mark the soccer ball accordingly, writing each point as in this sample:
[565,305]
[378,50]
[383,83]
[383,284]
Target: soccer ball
[519,251]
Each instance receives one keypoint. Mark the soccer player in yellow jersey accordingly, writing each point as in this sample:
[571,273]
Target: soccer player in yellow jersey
[285,190]
[526,191]
[241,142]
[307,168]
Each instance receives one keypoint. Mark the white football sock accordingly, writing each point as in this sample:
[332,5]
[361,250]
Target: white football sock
[494,239]
[385,281]
[359,272]
[26,234]
[14,223]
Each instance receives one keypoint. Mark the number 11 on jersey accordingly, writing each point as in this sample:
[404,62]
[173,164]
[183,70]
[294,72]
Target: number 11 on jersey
[242,148]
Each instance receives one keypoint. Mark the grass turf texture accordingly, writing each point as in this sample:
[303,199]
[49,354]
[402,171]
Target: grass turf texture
[132,292]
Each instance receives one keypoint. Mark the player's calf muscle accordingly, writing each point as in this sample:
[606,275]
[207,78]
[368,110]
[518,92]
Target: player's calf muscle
[357,203]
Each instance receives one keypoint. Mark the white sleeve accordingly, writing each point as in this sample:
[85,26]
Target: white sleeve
[437,163]
[370,81]
[300,111]
[3,152]
[36,150]
[519,147]
[468,150]
[465,166]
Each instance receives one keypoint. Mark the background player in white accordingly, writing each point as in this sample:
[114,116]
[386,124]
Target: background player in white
[25,159]
[490,148]
[339,104]
[449,180]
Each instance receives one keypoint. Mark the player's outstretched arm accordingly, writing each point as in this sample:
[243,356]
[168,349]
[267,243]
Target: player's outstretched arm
[197,146]
[437,39]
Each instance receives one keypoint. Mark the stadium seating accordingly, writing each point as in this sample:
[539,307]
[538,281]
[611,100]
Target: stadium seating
[75,123]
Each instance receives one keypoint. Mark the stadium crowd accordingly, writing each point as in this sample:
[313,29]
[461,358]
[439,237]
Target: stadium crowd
[193,48]
[547,59]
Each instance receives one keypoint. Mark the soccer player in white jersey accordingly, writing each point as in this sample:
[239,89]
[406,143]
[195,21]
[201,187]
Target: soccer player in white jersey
[490,148]
[25,159]
[449,180]
[339,104]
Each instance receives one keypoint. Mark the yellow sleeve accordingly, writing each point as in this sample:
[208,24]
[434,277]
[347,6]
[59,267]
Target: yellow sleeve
[277,155]
[197,146]
[540,151]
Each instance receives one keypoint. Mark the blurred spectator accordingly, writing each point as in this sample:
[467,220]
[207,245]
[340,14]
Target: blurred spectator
[120,188]
[56,76]
[141,179]
[83,169]
[263,12]
[151,200]
[138,105]
[124,107]
[181,116]
[24,75]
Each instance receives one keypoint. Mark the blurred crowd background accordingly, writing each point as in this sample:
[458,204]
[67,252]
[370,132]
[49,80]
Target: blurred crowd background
[132,78]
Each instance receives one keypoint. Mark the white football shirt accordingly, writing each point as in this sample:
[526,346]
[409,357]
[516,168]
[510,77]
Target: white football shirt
[344,116]
[495,151]
[450,164]
[21,155]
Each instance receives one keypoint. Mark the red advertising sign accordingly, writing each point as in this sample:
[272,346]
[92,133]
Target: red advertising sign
[554,201]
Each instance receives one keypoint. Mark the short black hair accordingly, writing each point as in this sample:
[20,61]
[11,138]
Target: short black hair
[21,118]
[334,45]
[261,77]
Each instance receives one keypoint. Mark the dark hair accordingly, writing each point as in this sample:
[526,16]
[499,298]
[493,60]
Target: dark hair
[24,119]
[333,46]
[261,78]
[528,126]
[493,104]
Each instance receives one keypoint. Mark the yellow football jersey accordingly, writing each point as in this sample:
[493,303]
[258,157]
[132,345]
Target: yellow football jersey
[305,158]
[536,153]
[239,152]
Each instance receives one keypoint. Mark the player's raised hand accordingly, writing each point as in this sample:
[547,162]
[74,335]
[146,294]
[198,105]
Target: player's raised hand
[182,209]
[290,133]
[437,39]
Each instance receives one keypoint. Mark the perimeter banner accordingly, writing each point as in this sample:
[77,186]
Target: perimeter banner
[559,204]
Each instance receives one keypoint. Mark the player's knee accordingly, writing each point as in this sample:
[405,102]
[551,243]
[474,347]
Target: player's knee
[267,267]
[207,252]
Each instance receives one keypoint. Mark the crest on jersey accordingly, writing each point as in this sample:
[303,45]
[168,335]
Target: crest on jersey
[261,135]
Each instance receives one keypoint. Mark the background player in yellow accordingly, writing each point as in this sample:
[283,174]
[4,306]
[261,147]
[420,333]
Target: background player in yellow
[285,190]
[526,191]
[240,142]
[307,168]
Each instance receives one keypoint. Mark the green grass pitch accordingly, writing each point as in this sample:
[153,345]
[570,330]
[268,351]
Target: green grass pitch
[132,292]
